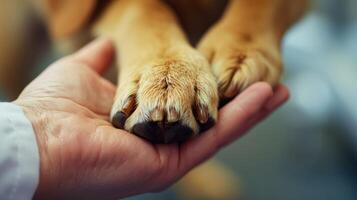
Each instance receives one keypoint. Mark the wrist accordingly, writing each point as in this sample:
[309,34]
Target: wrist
[38,118]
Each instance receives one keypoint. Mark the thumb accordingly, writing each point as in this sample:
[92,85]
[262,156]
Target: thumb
[97,55]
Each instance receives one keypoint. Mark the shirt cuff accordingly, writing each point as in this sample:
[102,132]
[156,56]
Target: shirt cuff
[19,155]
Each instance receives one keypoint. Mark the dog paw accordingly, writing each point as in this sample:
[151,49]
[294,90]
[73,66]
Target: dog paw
[239,60]
[168,100]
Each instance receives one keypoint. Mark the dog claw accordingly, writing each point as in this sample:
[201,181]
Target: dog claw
[172,115]
[231,91]
[129,106]
[202,113]
[157,115]
[120,117]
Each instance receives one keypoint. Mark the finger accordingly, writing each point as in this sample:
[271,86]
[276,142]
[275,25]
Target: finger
[231,118]
[281,95]
[97,55]
[242,109]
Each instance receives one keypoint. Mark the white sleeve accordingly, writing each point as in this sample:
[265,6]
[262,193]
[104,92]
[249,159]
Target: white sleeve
[19,156]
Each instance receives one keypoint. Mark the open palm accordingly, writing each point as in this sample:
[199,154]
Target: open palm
[84,157]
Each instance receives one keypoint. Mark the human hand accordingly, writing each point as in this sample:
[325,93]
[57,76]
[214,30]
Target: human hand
[82,156]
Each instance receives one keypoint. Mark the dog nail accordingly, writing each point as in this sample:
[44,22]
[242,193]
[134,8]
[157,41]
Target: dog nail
[202,113]
[172,115]
[231,91]
[129,106]
[157,115]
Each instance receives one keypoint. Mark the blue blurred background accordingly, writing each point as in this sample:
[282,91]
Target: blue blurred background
[307,149]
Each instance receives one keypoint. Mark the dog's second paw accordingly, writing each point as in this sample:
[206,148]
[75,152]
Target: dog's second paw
[238,61]
[241,68]
[169,100]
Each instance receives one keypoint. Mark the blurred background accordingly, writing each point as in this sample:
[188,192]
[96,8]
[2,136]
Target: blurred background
[306,150]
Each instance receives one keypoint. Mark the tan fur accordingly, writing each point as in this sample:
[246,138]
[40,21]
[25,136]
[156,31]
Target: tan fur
[157,64]
[161,70]
[243,47]
[154,53]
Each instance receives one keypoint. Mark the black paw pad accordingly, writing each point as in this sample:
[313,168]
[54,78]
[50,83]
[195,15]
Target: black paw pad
[158,132]
[119,119]
[224,101]
[209,124]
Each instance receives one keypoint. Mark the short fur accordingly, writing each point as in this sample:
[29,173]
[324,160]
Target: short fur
[162,78]
[167,78]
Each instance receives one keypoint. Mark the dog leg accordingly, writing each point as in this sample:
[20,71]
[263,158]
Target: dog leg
[244,46]
[166,92]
